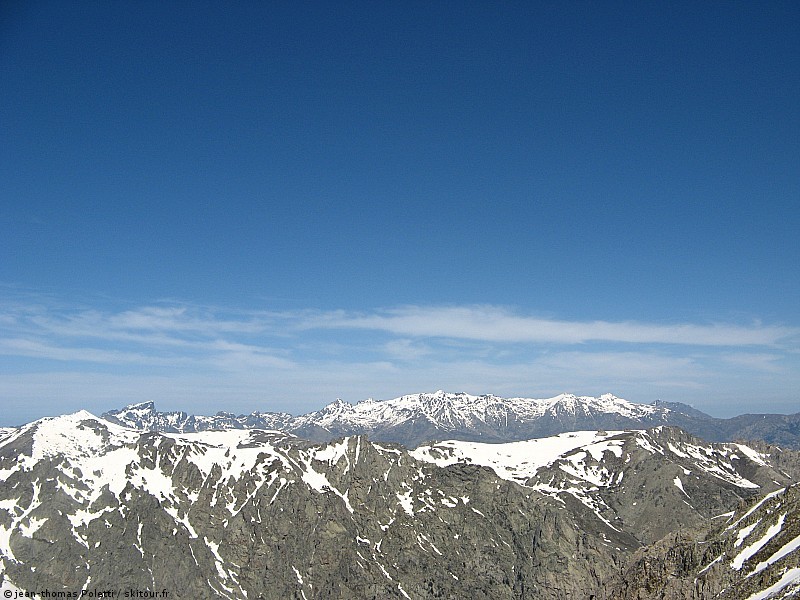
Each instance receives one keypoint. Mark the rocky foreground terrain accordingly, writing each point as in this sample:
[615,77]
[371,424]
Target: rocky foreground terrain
[754,553]
[86,504]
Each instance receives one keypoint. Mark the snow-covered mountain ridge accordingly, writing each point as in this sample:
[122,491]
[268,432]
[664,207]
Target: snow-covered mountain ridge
[447,411]
[418,418]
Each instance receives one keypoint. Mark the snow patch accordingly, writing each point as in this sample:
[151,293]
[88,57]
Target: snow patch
[790,577]
[750,550]
[743,533]
[756,457]
[518,461]
[785,550]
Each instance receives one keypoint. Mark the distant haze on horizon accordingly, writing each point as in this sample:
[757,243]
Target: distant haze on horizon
[266,206]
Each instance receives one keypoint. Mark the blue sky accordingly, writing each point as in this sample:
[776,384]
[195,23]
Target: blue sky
[265,206]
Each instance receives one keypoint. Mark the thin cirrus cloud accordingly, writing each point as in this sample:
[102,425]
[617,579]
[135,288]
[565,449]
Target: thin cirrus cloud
[493,324]
[410,332]
[178,337]
[150,323]
[40,350]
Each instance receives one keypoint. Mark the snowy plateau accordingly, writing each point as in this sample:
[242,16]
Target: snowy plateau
[249,507]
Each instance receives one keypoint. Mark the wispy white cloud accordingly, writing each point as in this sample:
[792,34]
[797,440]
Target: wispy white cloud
[297,360]
[769,363]
[153,324]
[620,366]
[165,336]
[405,349]
[182,319]
[40,350]
[495,324]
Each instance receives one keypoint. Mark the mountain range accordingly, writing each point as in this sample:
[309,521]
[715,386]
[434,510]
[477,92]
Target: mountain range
[612,502]
[86,504]
[417,418]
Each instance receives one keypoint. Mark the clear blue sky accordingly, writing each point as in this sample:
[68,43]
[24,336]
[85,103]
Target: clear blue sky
[269,205]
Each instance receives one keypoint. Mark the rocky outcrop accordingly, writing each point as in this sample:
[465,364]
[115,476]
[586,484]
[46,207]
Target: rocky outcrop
[753,553]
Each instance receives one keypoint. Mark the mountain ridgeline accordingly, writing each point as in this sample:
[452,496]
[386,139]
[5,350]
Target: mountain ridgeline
[418,418]
[228,507]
